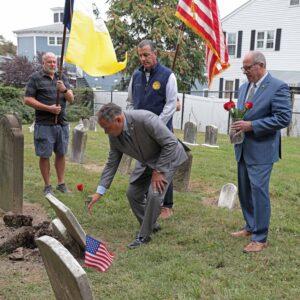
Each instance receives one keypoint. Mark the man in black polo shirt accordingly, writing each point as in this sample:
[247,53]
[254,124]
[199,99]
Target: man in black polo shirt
[49,135]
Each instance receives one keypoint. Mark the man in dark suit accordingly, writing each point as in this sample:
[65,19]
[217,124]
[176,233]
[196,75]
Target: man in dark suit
[143,136]
[261,147]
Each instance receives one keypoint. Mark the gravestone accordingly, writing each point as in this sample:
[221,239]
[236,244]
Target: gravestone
[31,127]
[93,123]
[228,196]
[190,133]
[181,178]
[78,146]
[80,125]
[66,216]
[86,124]
[125,166]
[11,164]
[211,134]
[68,279]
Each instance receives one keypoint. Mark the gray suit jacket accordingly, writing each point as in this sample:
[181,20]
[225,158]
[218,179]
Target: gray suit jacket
[150,142]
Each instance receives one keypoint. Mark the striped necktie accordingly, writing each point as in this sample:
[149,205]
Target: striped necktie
[251,93]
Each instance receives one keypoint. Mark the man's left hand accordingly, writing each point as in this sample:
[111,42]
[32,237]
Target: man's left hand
[60,86]
[158,181]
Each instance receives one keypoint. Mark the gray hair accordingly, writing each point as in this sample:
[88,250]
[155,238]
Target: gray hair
[258,58]
[109,111]
[144,43]
[48,54]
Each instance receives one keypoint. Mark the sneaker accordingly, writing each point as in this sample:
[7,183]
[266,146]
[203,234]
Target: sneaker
[138,242]
[63,188]
[47,190]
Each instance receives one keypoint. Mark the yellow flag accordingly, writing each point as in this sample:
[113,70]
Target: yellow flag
[90,46]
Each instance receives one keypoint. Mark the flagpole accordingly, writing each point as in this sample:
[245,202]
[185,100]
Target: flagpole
[61,66]
[177,45]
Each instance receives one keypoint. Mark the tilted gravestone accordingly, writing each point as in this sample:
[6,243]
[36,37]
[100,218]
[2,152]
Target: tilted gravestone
[190,133]
[181,178]
[211,134]
[68,219]
[228,196]
[125,166]
[78,146]
[11,164]
[93,123]
[86,124]
[68,279]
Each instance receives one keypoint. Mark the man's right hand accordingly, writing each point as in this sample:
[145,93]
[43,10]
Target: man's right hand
[54,109]
[95,198]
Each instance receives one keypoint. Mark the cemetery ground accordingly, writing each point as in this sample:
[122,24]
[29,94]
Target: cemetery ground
[193,256]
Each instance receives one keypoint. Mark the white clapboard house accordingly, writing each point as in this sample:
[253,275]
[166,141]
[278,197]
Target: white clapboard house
[270,26]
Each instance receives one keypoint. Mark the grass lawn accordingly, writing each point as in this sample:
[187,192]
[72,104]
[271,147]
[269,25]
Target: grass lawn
[193,257]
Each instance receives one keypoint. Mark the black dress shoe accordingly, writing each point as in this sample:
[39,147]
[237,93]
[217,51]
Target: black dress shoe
[156,228]
[139,241]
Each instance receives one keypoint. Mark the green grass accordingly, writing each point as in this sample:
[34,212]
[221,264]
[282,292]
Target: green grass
[193,257]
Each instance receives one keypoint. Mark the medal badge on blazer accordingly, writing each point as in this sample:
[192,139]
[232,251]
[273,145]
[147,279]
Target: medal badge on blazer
[156,85]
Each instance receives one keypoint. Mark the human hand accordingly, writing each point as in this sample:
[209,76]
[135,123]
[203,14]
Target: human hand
[241,126]
[54,109]
[60,86]
[158,181]
[96,197]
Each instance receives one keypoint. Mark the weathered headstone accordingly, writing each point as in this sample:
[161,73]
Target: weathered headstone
[181,178]
[190,133]
[86,124]
[11,164]
[228,196]
[93,123]
[211,134]
[68,279]
[80,125]
[78,146]
[125,166]
[68,219]
[31,127]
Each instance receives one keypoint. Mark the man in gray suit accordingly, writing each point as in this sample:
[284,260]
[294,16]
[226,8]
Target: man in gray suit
[143,136]
[261,147]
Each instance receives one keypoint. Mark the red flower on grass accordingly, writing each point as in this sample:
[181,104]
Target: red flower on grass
[80,188]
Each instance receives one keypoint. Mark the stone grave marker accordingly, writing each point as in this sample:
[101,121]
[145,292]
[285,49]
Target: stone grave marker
[93,123]
[78,146]
[86,124]
[181,178]
[190,133]
[31,127]
[228,196]
[11,163]
[211,134]
[125,166]
[68,279]
[68,219]
[80,125]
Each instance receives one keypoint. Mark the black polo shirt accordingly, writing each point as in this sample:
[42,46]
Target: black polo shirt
[41,87]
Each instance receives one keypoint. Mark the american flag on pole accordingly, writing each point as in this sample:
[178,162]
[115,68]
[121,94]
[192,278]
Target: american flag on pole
[202,16]
[96,255]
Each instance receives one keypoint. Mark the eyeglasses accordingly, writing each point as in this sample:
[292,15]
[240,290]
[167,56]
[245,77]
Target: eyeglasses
[248,68]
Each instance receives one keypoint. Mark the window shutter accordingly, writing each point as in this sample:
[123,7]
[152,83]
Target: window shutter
[239,45]
[236,88]
[278,39]
[221,83]
[252,42]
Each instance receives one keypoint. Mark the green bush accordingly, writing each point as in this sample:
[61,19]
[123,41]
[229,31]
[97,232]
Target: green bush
[11,100]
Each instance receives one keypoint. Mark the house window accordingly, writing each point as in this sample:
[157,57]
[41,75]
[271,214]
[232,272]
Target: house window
[56,20]
[51,40]
[228,89]
[61,17]
[294,2]
[265,39]
[59,40]
[231,43]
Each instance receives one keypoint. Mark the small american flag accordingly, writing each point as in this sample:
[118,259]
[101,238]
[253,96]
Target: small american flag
[96,255]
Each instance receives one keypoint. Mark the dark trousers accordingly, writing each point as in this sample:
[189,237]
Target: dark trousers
[168,200]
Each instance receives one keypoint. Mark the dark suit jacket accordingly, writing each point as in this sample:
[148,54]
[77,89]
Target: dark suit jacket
[271,112]
[152,144]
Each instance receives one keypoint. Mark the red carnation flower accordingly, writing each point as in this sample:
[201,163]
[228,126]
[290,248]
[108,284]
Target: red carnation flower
[248,105]
[229,105]
[79,187]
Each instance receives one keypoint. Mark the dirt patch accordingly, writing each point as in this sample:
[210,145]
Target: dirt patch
[32,265]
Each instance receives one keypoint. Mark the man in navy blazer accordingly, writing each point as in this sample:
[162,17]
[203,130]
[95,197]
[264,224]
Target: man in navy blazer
[142,135]
[261,146]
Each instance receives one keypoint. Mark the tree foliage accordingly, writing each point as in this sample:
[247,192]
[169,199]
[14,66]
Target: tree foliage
[7,47]
[131,21]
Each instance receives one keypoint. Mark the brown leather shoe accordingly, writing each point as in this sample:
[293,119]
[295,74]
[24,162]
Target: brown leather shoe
[241,233]
[255,247]
[166,213]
